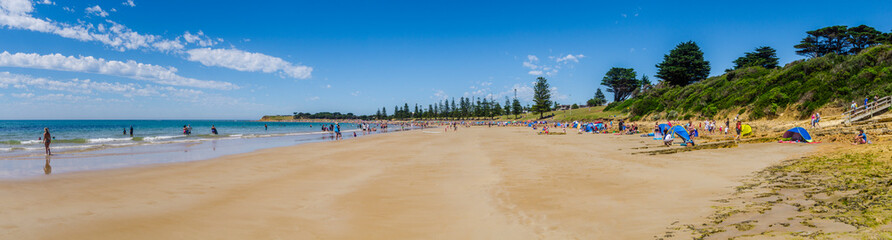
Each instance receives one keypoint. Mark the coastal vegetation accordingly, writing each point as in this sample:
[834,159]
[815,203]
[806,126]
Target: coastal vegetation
[845,64]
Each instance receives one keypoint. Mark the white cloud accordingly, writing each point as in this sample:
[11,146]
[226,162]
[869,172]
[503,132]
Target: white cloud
[530,63]
[328,86]
[570,57]
[96,10]
[248,61]
[313,98]
[167,45]
[89,64]
[87,86]
[17,14]
[200,39]
[47,2]
[356,93]
[129,3]
[624,15]
[22,95]
[525,92]
[16,6]
[440,95]
[549,68]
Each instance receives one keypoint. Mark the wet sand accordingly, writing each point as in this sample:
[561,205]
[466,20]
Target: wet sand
[478,183]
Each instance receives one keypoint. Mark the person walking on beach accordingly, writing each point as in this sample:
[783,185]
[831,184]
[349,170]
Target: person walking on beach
[46,140]
[738,128]
[812,120]
[337,130]
[817,119]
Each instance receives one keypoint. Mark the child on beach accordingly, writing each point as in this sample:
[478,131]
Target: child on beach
[861,138]
[667,140]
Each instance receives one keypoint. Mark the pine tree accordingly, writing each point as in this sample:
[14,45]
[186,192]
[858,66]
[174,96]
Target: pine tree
[541,97]
[683,65]
[516,108]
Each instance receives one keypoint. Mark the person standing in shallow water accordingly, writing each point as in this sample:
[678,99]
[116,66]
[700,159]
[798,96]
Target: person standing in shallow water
[46,140]
[131,130]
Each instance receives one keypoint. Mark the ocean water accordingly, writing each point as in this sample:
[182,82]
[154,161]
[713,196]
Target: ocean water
[86,145]
[23,136]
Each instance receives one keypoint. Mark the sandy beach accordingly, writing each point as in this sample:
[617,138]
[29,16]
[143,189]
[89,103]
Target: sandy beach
[477,183]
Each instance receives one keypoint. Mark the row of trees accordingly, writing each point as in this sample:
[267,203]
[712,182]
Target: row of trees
[465,108]
[840,40]
[325,115]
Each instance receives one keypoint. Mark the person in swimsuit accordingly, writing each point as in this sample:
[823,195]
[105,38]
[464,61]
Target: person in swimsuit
[213,129]
[46,140]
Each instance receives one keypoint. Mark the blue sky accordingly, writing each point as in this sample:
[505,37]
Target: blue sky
[142,59]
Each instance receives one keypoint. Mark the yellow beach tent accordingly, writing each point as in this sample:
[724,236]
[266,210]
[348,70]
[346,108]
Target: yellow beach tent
[745,130]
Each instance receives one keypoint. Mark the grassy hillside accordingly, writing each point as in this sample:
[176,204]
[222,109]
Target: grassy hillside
[800,88]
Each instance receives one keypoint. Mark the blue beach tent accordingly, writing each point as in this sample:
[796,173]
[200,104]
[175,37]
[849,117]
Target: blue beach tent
[797,134]
[681,133]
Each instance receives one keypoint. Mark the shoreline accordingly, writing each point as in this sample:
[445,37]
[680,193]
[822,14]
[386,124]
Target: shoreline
[403,185]
[25,166]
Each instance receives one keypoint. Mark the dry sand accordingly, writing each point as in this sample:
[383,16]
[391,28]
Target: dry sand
[478,183]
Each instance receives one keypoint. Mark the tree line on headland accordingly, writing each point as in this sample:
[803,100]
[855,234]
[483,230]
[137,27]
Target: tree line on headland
[836,63]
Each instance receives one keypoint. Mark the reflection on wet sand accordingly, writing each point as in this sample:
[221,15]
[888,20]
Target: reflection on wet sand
[47,169]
